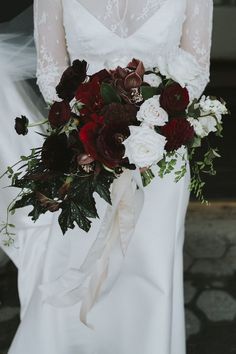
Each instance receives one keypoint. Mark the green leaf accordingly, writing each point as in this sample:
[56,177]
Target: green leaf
[109,94]
[148,92]
[71,214]
[82,192]
[102,184]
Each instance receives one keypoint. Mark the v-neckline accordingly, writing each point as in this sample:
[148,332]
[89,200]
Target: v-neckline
[112,32]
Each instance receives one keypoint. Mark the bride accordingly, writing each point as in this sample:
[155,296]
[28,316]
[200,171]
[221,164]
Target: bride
[139,307]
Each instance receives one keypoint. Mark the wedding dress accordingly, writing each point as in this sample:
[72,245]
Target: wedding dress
[139,308]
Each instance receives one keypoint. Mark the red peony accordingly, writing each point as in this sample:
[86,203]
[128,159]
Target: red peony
[102,75]
[90,95]
[174,99]
[178,132]
[59,114]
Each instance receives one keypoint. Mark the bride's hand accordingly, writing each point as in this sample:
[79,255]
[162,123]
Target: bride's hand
[143,169]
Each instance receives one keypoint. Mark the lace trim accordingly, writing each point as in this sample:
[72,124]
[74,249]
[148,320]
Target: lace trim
[48,72]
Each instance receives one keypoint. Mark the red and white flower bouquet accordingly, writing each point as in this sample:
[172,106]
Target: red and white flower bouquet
[126,118]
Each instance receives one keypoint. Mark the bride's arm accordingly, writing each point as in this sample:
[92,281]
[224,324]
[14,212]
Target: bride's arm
[189,64]
[196,40]
[52,57]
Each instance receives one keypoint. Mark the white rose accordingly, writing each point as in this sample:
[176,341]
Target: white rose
[151,113]
[144,146]
[152,79]
[213,106]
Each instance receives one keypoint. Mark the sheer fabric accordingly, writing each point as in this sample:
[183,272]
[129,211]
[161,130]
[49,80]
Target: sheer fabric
[187,52]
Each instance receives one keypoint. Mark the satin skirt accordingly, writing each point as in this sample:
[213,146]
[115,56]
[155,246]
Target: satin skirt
[141,311]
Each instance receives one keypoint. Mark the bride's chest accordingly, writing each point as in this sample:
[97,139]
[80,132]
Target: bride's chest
[144,27]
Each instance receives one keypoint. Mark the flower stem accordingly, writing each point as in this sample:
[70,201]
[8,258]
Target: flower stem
[147,177]
[37,124]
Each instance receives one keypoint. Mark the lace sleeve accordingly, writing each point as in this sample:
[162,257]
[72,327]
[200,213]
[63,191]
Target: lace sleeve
[52,57]
[189,64]
[196,40]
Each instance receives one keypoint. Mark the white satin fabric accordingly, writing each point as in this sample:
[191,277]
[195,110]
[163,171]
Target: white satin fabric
[125,277]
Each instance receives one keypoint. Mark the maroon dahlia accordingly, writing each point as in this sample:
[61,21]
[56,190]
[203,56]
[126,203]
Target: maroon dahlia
[178,132]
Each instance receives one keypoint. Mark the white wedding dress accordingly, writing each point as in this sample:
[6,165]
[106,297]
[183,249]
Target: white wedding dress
[140,308]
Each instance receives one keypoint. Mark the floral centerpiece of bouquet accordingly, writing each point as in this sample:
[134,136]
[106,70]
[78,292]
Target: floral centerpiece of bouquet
[126,118]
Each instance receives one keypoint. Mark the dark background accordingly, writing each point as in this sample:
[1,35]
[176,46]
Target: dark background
[223,83]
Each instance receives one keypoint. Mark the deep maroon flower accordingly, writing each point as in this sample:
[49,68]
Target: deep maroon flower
[128,81]
[56,155]
[102,75]
[178,132]
[59,114]
[90,95]
[21,125]
[110,143]
[117,112]
[71,79]
[174,99]
[103,141]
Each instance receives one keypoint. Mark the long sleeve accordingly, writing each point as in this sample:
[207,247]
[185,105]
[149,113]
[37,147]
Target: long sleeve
[52,57]
[196,40]
[189,64]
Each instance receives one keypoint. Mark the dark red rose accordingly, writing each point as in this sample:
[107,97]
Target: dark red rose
[174,99]
[103,142]
[71,79]
[59,114]
[89,134]
[90,95]
[21,125]
[56,155]
[178,132]
[109,143]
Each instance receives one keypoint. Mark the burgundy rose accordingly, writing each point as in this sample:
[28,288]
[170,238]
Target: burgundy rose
[90,95]
[56,155]
[21,125]
[59,114]
[178,132]
[110,143]
[174,99]
[71,79]
[103,142]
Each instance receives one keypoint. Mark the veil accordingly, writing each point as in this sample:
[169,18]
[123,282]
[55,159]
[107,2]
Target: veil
[19,95]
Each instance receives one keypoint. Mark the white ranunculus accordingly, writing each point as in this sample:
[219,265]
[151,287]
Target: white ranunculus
[152,79]
[203,125]
[199,131]
[151,113]
[208,124]
[144,146]
[213,106]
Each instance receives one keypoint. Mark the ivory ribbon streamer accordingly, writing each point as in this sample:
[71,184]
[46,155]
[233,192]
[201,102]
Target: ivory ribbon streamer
[85,284]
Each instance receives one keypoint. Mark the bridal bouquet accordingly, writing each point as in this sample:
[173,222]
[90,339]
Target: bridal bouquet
[126,118]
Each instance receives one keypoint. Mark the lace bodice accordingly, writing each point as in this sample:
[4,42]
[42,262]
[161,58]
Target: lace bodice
[173,35]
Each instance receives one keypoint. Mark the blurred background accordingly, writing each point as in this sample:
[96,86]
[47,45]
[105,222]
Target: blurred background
[210,248]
